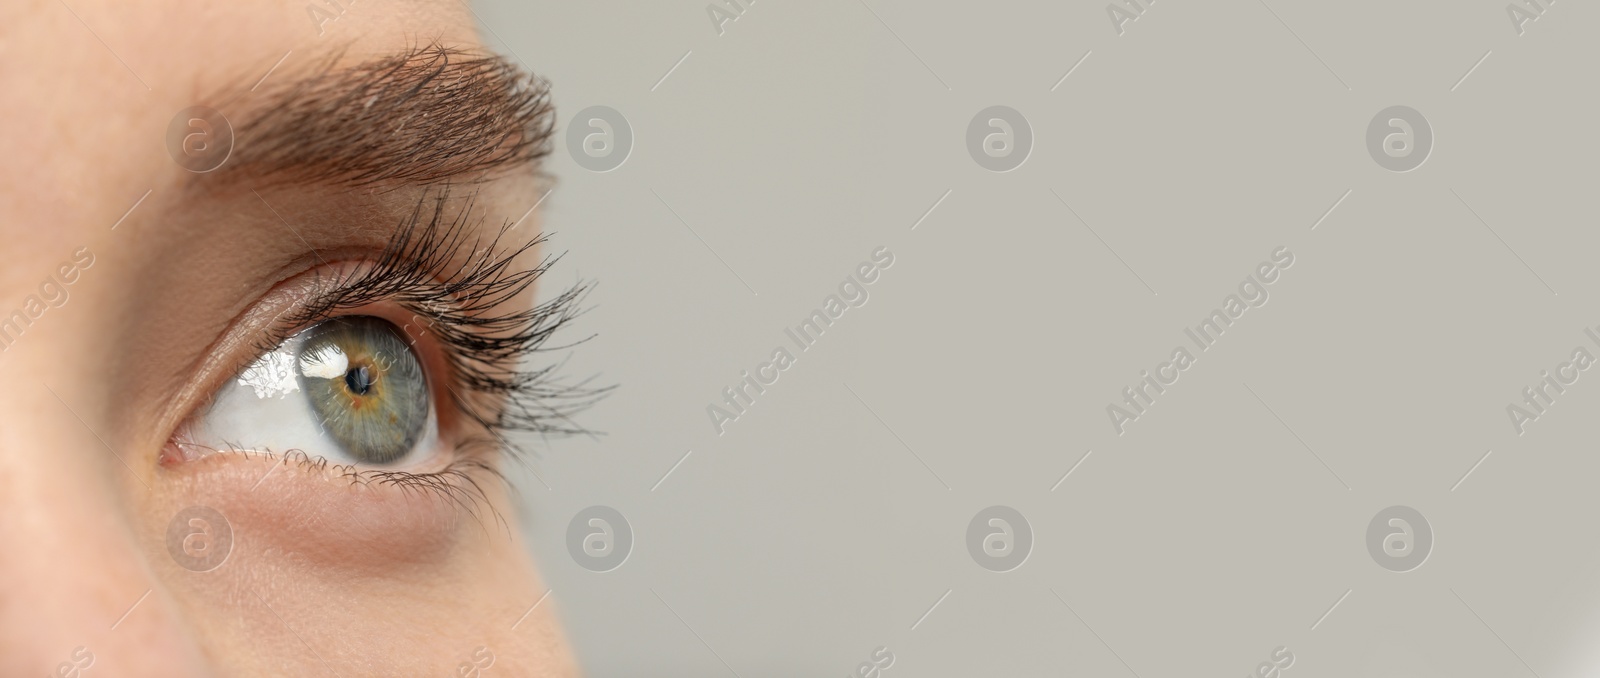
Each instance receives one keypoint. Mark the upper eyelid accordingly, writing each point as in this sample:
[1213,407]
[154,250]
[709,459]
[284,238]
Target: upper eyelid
[318,307]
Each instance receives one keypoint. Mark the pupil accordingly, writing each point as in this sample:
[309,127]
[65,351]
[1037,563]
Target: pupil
[358,380]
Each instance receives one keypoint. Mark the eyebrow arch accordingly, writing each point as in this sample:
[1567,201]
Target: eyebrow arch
[421,116]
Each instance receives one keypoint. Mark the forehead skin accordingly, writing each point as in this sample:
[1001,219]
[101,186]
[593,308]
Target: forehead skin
[89,91]
[88,88]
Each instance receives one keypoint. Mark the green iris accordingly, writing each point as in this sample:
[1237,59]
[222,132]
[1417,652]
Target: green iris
[366,387]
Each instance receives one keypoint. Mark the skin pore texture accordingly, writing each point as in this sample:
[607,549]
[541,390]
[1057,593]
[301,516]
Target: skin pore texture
[325,575]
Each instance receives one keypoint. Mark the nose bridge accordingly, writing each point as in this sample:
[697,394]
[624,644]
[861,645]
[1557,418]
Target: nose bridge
[78,591]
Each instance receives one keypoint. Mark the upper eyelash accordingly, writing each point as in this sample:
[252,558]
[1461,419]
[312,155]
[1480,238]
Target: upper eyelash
[437,268]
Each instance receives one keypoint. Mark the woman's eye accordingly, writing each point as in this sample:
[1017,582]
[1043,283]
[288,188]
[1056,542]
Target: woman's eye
[349,390]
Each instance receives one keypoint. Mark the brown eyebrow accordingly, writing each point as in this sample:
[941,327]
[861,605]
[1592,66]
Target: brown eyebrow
[428,114]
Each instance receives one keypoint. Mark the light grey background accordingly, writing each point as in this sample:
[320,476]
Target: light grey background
[1193,145]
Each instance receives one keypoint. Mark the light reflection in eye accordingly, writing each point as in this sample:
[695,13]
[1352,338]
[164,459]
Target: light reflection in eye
[272,376]
[327,362]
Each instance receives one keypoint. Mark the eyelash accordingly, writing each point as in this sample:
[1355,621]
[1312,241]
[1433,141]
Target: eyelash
[437,270]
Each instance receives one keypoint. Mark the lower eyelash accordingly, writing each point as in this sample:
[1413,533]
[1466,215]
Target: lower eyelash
[457,482]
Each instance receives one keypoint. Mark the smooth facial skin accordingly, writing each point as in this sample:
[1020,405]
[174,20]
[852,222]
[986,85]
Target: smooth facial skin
[147,313]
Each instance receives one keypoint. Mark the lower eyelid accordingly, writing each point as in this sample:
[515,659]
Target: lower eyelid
[322,516]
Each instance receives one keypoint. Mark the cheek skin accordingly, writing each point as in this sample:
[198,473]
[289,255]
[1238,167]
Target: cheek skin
[379,580]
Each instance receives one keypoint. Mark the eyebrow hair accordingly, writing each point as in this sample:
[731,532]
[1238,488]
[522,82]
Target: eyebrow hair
[425,115]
